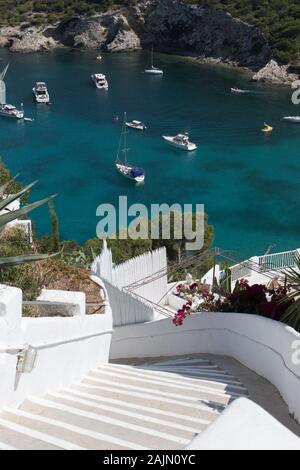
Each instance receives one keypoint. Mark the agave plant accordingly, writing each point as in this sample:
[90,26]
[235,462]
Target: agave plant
[7,216]
[292,314]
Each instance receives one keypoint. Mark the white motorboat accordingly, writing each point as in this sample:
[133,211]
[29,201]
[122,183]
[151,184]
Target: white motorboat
[8,110]
[295,119]
[180,141]
[138,125]
[100,81]
[238,90]
[153,70]
[125,168]
[40,93]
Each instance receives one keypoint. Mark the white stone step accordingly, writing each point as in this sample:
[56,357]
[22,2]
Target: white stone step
[6,447]
[17,434]
[101,422]
[173,416]
[176,362]
[129,377]
[186,368]
[166,403]
[154,405]
[189,372]
[165,391]
[159,422]
[173,375]
[76,436]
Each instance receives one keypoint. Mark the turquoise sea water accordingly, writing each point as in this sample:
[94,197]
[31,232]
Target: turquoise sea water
[248,181]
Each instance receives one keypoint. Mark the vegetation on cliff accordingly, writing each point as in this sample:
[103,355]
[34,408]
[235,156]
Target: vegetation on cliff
[279,19]
[42,11]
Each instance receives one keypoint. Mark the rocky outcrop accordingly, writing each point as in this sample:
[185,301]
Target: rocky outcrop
[274,73]
[109,32]
[171,25]
[26,39]
[88,33]
[32,41]
[175,26]
[124,41]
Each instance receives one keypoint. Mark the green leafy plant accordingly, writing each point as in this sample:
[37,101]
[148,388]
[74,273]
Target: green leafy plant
[7,215]
[292,314]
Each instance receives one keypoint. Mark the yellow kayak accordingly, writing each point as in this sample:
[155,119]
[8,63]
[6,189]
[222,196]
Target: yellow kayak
[267,128]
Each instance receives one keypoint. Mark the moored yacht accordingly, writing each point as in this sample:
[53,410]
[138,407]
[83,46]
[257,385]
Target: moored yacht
[132,172]
[153,70]
[138,125]
[8,110]
[100,81]
[180,141]
[40,93]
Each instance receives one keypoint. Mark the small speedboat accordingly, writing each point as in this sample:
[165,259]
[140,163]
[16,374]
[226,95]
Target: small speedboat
[8,110]
[99,57]
[267,128]
[295,119]
[238,90]
[138,125]
[180,141]
[40,93]
[99,80]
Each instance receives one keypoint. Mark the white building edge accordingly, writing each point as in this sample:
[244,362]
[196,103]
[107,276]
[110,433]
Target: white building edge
[169,388]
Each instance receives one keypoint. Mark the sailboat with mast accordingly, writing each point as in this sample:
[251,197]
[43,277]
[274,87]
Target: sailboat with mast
[7,110]
[153,70]
[132,172]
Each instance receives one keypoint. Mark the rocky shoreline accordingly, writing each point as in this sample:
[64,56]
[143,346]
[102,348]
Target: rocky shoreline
[170,25]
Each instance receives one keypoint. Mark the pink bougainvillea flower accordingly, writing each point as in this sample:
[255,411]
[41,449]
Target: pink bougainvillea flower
[193,286]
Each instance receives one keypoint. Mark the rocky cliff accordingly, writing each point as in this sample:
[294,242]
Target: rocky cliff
[170,25]
[274,73]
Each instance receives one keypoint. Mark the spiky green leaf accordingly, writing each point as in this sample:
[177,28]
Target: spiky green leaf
[13,197]
[10,216]
[16,260]
[4,186]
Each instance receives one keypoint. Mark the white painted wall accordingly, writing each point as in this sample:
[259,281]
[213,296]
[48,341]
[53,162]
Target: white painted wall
[245,426]
[269,348]
[74,300]
[66,347]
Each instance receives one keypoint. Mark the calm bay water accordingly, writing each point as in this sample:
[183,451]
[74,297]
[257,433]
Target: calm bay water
[248,181]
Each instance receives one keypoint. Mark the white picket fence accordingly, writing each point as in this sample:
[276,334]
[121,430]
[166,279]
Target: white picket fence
[134,305]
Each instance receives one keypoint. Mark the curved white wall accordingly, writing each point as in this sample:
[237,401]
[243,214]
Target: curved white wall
[66,347]
[244,425]
[269,348]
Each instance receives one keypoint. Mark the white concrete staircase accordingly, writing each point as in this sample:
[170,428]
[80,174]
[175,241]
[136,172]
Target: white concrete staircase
[153,405]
